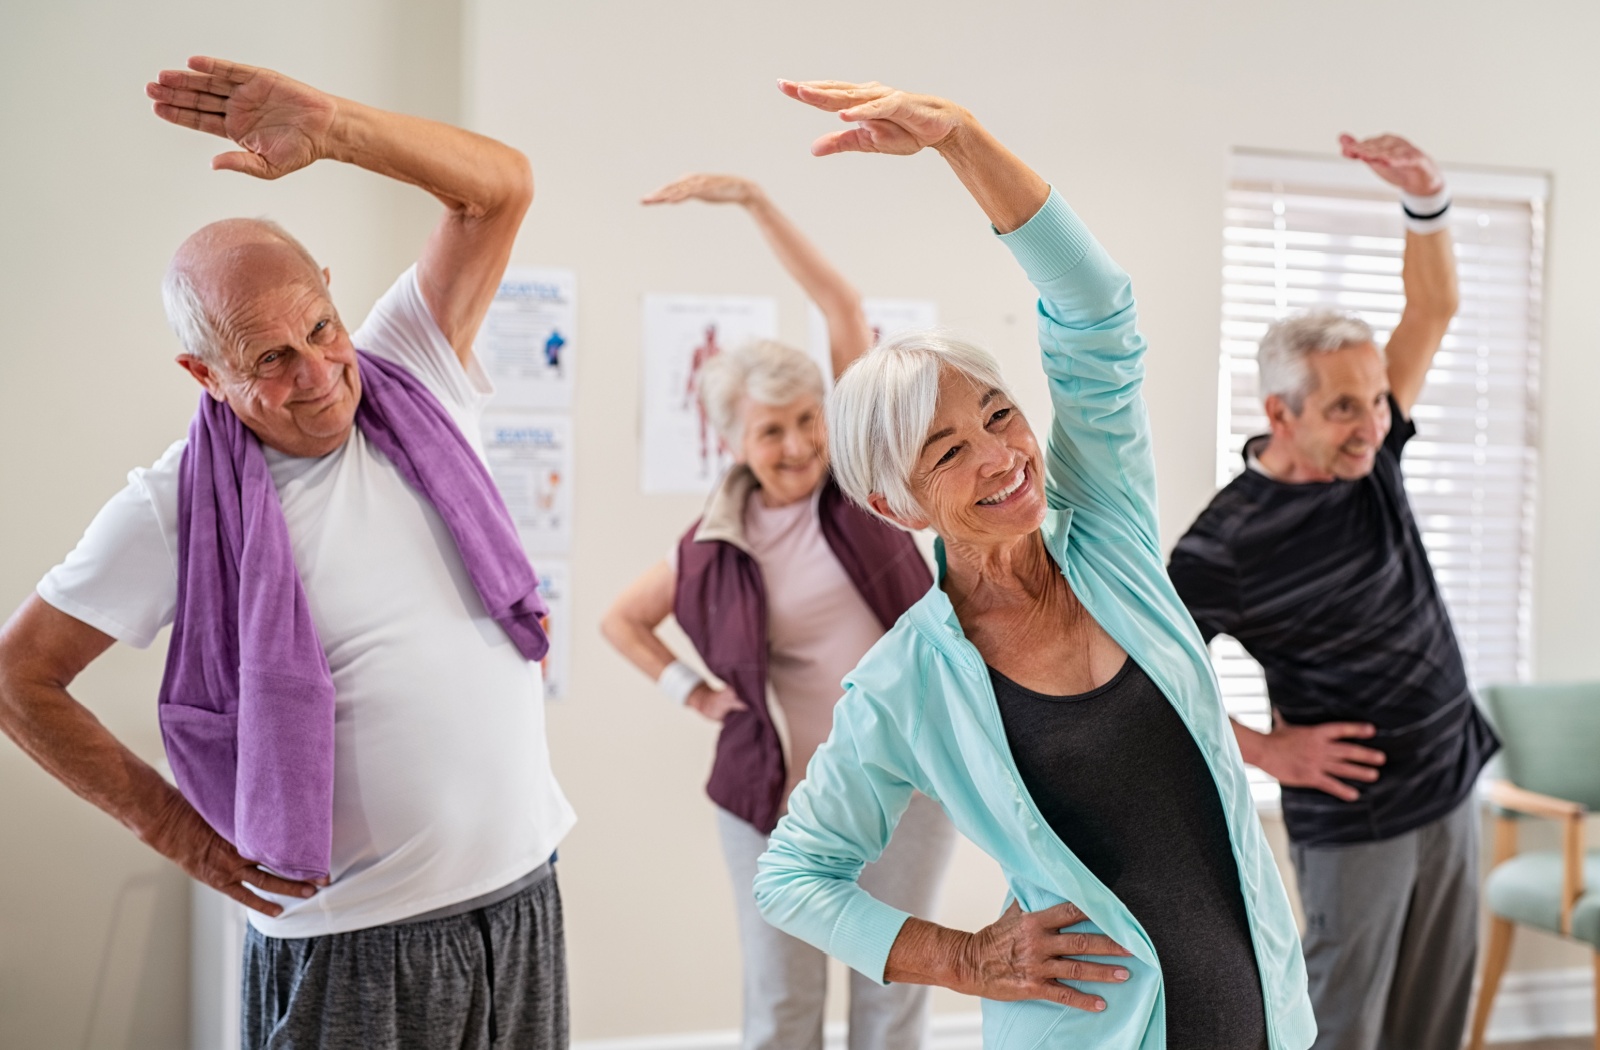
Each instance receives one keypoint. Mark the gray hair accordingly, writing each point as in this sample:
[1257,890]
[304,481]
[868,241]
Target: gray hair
[881,408]
[764,371]
[1288,343]
[186,312]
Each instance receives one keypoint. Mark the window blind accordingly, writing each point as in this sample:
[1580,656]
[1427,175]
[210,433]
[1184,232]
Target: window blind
[1307,232]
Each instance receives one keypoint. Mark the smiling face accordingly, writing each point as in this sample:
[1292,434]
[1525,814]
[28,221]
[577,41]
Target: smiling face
[288,369]
[785,446]
[979,479]
[1341,424]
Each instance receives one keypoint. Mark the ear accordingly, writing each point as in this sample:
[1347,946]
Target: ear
[881,506]
[1279,414]
[327,277]
[203,374]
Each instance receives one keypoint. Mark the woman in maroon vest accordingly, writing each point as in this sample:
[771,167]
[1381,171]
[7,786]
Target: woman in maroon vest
[784,583]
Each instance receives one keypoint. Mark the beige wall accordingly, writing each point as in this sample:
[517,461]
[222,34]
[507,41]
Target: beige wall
[1130,108]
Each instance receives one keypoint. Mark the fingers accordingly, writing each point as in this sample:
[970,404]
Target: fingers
[1059,916]
[1352,753]
[1077,970]
[1338,789]
[831,95]
[232,72]
[244,161]
[183,80]
[1062,944]
[1351,771]
[1348,730]
[210,123]
[254,902]
[265,880]
[1067,995]
[855,140]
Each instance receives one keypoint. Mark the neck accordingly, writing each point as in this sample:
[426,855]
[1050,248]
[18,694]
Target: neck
[1281,463]
[977,576]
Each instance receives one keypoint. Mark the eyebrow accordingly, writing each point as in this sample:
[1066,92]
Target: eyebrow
[992,393]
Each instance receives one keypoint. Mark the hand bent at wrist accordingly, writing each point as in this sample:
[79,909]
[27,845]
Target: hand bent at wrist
[1027,955]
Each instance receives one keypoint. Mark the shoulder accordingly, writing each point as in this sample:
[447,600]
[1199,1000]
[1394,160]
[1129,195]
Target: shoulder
[400,328]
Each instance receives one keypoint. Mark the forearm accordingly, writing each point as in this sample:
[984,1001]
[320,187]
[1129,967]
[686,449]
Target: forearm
[824,285]
[473,175]
[1429,275]
[70,744]
[1009,192]
[638,643]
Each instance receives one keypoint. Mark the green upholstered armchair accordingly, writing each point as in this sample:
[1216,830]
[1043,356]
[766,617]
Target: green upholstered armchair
[1552,765]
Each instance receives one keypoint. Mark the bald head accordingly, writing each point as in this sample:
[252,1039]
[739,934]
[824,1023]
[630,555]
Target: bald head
[220,270]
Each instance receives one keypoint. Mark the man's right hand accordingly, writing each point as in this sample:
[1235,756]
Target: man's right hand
[282,124]
[1319,756]
[183,837]
[715,704]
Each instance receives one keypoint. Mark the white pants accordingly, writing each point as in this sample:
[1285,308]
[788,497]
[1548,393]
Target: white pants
[785,979]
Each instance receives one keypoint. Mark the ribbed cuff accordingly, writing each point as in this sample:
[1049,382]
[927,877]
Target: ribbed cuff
[865,932]
[1051,243]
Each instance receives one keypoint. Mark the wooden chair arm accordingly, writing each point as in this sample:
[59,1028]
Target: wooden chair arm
[1507,795]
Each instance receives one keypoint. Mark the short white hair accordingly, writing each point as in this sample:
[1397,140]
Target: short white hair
[764,371]
[1288,344]
[881,408]
[186,313]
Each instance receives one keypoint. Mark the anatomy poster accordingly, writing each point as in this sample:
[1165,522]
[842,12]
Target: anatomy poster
[530,456]
[526,342]
[555,587]
[886,317]
[680,450]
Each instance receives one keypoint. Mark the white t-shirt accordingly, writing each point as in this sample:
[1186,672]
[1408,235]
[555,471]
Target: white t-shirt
[442,782]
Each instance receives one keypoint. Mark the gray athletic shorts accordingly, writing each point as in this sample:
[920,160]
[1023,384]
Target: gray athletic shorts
[492,976]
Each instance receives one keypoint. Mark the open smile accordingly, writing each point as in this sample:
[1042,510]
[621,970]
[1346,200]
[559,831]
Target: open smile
[1019,483]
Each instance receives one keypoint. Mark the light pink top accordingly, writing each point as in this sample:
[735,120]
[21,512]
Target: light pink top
[818,626]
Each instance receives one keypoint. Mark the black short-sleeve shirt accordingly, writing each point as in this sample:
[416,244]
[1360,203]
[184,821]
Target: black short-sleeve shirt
[1328,586]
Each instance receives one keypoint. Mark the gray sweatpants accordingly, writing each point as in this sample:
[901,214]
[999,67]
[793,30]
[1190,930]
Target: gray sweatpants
[1392,936]
[785,979]
[495,976]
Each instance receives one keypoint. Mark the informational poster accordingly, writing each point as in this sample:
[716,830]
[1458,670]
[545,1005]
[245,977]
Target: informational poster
[555,587]
[680,450]
[530,456]
[886,317]
[526,342]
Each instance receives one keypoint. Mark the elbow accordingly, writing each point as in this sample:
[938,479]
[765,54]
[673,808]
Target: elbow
[519,181]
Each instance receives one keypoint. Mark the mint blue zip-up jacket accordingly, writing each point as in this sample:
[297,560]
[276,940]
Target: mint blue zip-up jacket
[919,712]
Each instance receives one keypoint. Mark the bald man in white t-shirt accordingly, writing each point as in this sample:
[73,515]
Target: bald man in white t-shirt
[440,921]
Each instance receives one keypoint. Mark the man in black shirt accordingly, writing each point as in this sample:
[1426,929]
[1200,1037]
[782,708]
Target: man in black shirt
[1313,560]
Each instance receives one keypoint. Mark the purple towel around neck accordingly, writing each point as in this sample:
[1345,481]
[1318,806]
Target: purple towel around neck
[247,702]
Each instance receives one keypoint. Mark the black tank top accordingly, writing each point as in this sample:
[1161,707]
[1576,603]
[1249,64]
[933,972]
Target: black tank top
[1120,780]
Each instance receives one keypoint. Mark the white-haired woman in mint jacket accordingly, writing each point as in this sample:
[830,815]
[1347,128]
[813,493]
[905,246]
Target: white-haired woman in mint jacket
[1051,691]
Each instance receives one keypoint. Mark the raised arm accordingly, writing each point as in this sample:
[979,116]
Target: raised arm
[284,125]
[41,651]
[1429,267]
[849,336]
[1099,450]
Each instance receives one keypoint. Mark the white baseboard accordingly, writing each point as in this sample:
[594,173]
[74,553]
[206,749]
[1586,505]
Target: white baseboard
[945,1032]
[1541,1004]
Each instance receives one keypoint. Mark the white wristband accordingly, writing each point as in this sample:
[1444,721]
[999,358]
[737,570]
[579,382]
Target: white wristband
[679,680]
[1427,214]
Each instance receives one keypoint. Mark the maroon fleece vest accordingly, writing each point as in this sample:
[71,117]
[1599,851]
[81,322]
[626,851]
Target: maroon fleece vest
[721,604]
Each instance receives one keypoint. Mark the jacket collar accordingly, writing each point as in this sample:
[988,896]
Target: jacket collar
[723,519]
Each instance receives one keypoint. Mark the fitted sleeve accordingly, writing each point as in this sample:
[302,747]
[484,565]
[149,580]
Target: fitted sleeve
[839,821]
[1098,455]
[122,577]
[1207,580]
